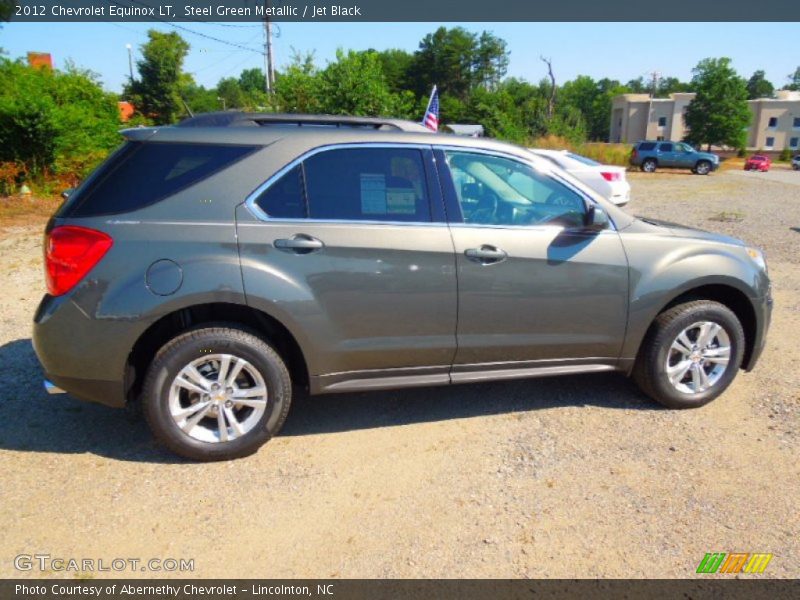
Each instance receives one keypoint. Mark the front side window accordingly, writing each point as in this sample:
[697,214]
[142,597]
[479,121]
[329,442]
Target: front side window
[493,190]
[367,184]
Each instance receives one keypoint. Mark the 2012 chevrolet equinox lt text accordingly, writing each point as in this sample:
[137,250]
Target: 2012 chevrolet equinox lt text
[206,269]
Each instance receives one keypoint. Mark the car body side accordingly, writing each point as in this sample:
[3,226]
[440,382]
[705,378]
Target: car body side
[111,324]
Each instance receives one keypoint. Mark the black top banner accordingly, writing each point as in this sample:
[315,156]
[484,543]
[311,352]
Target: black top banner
[449,11]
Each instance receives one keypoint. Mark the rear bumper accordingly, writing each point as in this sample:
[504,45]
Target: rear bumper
[80,356]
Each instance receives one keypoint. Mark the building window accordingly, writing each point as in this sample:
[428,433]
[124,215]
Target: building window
[773,122]
[660,138]
[793,143]
[662,121]
[770,143]
[796,123]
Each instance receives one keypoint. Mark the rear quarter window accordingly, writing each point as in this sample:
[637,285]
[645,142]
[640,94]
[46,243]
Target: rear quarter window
[143,173]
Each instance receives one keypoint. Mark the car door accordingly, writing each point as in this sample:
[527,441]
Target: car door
[535,286]
[349,249]
[684,156]
[666,155]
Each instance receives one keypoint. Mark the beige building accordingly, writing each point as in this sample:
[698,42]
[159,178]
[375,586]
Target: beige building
[775,124]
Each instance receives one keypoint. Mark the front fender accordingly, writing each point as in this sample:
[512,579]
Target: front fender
[664,267]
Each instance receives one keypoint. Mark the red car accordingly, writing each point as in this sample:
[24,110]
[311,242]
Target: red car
[758,162]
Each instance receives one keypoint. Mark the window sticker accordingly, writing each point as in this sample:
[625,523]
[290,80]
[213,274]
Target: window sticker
[373,193]
[401,201]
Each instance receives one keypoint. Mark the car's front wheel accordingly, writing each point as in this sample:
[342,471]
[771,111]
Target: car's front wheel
[216,393]
[690,355]
[703,167]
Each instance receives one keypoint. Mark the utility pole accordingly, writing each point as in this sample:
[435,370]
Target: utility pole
[269,68]
[130,60]
[656,76]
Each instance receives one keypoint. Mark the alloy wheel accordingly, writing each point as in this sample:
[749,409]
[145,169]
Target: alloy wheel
[698,357]
[217,398]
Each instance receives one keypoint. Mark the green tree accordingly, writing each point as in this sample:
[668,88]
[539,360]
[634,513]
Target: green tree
[55,121]
[490,64]
[354,84]
[794,80]
[297,88]
[718,114]
[231,94]
[156,93]
[398,66]
[759,87]
[252,81]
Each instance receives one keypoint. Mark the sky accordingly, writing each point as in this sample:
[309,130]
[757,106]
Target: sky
[622,51]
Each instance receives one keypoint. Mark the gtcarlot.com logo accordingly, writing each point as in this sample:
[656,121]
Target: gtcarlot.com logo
[736,562]
[59,564]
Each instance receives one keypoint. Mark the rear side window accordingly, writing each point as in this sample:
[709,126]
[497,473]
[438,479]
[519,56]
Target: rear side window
[372,184]
[665,147]
[141,174]
[647,146]
[285,197]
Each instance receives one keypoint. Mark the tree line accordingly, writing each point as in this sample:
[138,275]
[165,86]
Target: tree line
[63,122]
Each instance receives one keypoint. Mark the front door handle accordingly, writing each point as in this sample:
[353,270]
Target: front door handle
[486,254]
[299,244]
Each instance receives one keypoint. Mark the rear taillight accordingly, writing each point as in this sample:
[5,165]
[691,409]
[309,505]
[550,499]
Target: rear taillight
[611,175]
[70,252]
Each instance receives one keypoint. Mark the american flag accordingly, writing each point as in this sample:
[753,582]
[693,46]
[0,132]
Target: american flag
[431,118]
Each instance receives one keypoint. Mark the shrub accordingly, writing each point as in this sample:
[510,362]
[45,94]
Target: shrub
[55,122]
[785,155]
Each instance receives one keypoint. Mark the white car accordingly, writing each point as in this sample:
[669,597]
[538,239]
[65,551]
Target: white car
[607,180]
[796,163]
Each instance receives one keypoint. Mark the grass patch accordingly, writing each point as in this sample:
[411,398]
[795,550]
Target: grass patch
[15,210]
[728,216]
[608,154]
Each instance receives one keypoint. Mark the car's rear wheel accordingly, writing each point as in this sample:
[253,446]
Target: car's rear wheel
[690,355]
[703,167]
[649,165]
[216,393]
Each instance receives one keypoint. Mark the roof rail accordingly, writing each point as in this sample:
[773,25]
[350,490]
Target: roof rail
[245,119]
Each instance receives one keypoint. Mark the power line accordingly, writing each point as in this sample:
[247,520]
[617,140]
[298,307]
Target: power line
[197,33]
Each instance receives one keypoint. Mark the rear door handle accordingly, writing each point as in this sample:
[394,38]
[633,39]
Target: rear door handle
[299,244]
[486,254]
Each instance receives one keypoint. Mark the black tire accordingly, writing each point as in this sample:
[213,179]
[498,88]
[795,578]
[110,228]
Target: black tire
[703,167]
[649,165]
[193,345]
[650,369]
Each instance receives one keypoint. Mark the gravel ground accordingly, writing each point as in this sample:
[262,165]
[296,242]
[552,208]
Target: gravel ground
[567,477]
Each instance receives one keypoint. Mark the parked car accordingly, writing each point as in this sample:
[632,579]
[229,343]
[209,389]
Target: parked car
[607,180]
[758,162]
[649,156]
[206,270]
[796,163]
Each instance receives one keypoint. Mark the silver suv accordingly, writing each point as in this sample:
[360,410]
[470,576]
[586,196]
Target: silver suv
[207,270]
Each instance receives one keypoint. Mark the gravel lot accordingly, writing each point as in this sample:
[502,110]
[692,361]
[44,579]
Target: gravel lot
[568,477]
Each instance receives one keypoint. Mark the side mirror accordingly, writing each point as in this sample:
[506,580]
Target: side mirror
[596,219]
[67,193]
